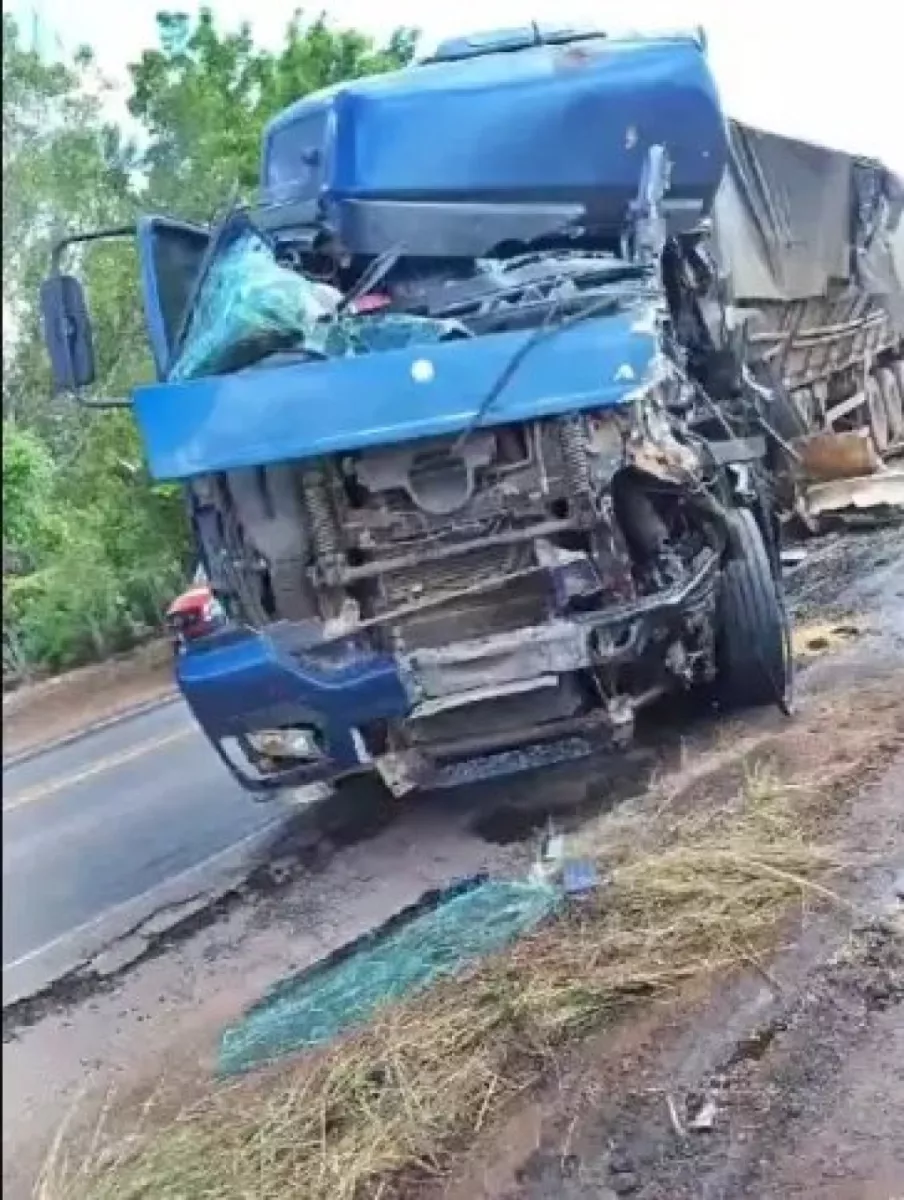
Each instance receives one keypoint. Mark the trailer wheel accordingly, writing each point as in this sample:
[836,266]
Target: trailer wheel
[877,414]
[754,664]
[891,382]
[898,368]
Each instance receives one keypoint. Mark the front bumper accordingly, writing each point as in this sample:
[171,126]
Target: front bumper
[240,681]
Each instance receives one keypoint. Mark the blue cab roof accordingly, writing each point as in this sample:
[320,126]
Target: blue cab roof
[549,121]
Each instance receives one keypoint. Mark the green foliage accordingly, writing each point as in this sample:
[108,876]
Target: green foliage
[206,95]
[93,549]
[30,527]
[64,168]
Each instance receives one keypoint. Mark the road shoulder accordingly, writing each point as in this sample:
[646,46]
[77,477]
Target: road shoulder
[53,712]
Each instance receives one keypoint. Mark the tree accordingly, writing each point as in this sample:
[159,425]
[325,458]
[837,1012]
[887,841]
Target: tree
[205,95]
[30,529]
[92,548]
[64,169]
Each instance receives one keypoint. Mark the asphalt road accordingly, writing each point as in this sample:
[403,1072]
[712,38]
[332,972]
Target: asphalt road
[90,826]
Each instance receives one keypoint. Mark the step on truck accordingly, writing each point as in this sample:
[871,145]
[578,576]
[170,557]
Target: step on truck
[483,451]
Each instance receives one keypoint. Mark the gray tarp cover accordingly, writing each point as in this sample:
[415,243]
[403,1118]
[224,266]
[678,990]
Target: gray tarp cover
[791,218]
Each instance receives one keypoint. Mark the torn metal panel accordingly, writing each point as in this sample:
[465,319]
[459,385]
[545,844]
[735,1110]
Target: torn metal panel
[522,654]
[824,457]
[884,490]
[652,446]
[664,458]
[791,218]
[402,773]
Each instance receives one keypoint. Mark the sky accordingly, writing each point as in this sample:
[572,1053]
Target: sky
[817,71]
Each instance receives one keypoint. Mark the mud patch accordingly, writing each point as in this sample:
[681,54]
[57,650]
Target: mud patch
[816,638]
[743,1130]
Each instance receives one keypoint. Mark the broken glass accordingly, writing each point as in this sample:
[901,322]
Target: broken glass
[249,307]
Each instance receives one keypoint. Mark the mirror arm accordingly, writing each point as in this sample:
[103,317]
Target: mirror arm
[113,402]
[62,244]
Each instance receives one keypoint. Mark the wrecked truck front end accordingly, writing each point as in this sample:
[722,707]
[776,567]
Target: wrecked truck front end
[417,578]
[465,432]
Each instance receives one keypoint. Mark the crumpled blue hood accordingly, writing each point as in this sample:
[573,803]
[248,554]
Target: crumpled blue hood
[305,410]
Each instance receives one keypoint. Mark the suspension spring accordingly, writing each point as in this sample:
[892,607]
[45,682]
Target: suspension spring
[574,453]
[324,530]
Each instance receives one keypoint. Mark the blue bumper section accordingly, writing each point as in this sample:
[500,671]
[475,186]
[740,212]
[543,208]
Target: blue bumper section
[242,681]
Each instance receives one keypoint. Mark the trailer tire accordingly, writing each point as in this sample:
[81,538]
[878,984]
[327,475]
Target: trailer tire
[891,382]
[898,368]
[754,663]
[877,413]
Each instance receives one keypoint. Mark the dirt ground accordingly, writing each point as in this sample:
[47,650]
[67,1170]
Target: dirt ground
[43,712]
[784,1080]
[788,1080]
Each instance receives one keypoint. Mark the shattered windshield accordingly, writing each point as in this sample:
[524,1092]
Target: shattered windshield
[247,307]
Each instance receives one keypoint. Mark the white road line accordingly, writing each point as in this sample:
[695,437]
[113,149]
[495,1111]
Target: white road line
[86,926]
[52,787]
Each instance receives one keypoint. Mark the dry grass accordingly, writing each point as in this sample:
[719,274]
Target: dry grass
[687,893]
[701,875]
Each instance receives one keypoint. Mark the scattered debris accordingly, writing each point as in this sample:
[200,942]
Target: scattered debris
[677,1124]
[882,494]
[793,557]
[706,1117]
[445,932]
[579,876]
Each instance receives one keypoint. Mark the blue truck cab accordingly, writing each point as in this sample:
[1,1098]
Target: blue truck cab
[448,405]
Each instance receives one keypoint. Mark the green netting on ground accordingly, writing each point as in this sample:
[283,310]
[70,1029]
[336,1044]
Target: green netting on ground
[435,939]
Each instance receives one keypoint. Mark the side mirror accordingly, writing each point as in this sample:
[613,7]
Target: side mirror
[67,333]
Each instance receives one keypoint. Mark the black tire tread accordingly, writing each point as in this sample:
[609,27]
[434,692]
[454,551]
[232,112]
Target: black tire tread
[752,642]
[893,397]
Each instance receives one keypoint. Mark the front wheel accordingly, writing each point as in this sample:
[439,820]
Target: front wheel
[754,664]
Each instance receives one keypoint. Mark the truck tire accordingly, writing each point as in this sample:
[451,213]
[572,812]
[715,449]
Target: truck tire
[898,370]
[893,395]
[877,414]
[754,664]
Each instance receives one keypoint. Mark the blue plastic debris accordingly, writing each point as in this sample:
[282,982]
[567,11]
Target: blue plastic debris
[579,876]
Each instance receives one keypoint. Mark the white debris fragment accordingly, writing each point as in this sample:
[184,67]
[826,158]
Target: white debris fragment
[706,1117]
